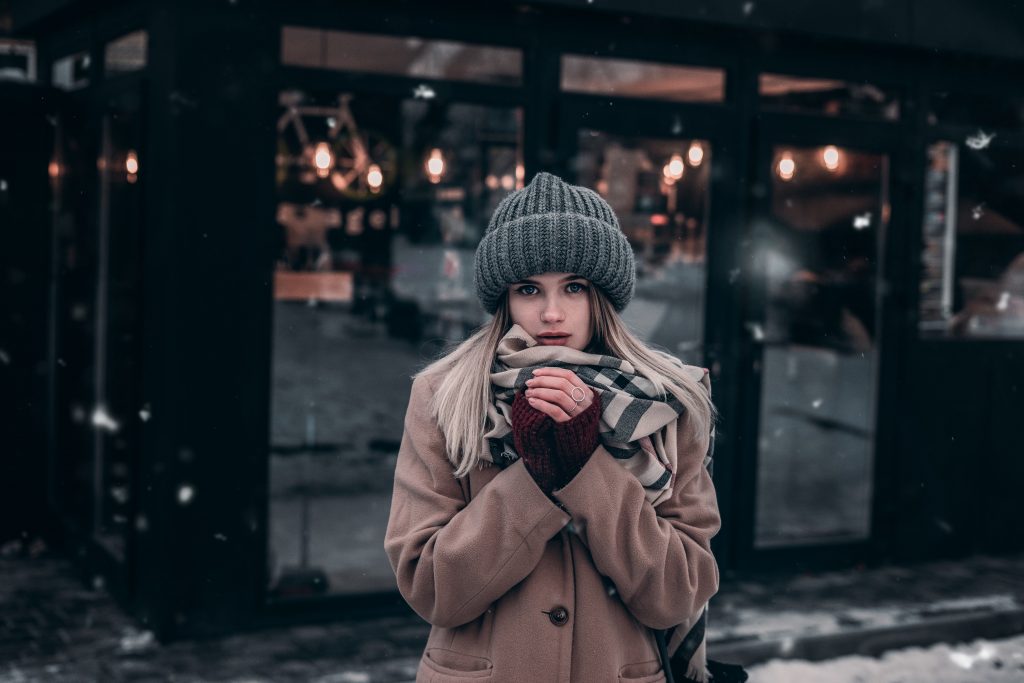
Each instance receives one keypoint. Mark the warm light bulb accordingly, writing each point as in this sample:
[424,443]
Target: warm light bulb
[323,159]
[674,168]
[374,177]
[435,165]
[696,154]
[131,163]
[787,167]
[830,155]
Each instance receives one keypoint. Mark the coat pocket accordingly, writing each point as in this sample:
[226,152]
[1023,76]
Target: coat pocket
[439,665]
[642,672]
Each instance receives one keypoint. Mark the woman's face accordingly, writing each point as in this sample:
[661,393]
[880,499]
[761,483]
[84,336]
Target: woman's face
[553,308]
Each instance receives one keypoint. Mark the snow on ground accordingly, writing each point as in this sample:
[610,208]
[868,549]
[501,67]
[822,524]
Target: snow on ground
[982,661]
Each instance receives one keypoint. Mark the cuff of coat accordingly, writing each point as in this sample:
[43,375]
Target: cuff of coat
[602,478]
[547,515]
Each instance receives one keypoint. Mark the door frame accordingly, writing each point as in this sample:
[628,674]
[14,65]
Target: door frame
[884,137]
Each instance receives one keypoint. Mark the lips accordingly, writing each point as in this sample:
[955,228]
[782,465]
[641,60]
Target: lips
[553,338]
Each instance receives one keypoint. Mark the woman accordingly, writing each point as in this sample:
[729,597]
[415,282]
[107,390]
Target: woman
[551,501]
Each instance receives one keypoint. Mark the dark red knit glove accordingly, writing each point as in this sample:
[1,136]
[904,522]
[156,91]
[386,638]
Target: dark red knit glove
[533,434]
[576,440]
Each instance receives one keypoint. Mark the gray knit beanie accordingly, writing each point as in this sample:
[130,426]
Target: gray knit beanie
[550,226]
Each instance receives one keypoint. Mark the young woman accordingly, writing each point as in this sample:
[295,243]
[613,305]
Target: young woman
[551,501]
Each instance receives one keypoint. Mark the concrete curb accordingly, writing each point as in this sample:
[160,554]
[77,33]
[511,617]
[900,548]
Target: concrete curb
[873,642]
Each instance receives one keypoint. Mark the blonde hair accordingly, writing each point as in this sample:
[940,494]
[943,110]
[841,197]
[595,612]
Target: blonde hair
[460,400]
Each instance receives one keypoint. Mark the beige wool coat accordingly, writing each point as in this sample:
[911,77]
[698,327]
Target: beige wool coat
[514,591]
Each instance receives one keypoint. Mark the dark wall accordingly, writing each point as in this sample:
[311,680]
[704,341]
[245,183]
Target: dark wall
[961,474]
[26,138]
[982,27]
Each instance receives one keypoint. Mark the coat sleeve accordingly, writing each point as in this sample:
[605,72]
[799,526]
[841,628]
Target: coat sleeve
[660,558]
[453,558]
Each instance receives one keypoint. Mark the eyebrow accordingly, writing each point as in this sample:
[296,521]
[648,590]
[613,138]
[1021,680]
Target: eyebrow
[564,279]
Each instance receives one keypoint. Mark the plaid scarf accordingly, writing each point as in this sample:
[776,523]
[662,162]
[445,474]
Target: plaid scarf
[638,427]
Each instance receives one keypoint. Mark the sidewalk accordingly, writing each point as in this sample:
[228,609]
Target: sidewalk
[53,628]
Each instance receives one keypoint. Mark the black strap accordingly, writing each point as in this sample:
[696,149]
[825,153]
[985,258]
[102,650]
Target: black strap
[666,663]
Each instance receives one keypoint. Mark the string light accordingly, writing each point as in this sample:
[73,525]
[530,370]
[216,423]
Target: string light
[435,165]
[830,155]
[323,159]
[786,167]
[696,154]
[374,177]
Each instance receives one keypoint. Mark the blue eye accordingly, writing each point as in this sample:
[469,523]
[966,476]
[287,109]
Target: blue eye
[582,287]
[524,287]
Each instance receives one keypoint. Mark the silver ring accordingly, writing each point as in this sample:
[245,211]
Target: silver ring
[573,395]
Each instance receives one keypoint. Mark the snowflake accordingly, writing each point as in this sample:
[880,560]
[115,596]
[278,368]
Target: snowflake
[862,221]
[1004,301]
[423,92]
[977,212]
[817,402]
[102,419]
[185,494]
[145,413]
[979,141]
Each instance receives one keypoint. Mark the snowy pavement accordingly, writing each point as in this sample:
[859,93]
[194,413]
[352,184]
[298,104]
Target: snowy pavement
[981,661]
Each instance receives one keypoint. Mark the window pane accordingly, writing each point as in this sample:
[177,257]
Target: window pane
[401,56]
[828,97]
[973,239]
[127,53]
[819,254]
[381,203]
[629,78]
[660,191]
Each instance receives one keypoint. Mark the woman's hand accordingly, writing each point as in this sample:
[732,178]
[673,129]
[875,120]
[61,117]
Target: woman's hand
[554,391]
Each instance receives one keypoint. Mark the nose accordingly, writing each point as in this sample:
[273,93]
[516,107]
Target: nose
[552,312]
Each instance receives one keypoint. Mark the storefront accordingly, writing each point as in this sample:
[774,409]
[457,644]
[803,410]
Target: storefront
[266,216]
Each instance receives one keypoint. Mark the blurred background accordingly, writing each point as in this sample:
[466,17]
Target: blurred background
[233,229]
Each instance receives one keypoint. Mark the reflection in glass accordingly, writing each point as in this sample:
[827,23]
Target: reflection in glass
[127,53]
[660,191]
[819,252]
[400,56]
[972,263]
[370,283]
[71,72]
[632,78]
[826,96]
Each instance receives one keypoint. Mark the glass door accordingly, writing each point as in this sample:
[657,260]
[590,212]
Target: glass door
[812,331]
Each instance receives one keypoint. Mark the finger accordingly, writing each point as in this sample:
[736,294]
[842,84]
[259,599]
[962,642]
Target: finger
[550,409]
[556,396]
[549,382]
[558,378]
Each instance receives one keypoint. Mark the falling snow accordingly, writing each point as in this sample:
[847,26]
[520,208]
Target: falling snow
[102,420]
[817,403]
[756,331]
[977,212]
[144,413]
[980,141]
[748,8]
[136,641]
[185,494]
[4,358]
[220,537]
[1004,301]
[734,275]
[423,92]
[862,221]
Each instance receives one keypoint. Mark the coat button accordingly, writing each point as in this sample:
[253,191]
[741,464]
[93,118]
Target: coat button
[558,616]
